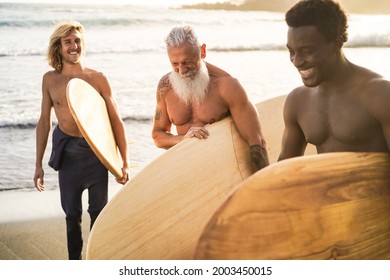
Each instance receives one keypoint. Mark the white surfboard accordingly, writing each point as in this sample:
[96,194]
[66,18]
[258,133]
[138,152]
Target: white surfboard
[90,113]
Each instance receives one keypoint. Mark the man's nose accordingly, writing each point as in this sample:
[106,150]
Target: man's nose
[297,60]
[182,69]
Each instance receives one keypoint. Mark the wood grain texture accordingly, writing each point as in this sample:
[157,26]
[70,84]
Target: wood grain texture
[328,206]
[89,111]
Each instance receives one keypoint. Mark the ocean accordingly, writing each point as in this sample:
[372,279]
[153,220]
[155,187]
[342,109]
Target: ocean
[127,44]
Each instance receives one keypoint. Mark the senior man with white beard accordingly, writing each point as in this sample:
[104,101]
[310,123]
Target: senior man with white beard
[196,93]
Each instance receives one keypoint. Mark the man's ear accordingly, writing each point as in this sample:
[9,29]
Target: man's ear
[203,51]
[338,44]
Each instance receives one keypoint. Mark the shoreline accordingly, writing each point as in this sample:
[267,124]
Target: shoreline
[30,205]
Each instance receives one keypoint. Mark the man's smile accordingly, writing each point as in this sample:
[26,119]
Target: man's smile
[306,73]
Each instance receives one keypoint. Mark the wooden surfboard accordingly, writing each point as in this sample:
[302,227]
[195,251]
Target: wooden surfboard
[162,211]
[90,113]
[328,206]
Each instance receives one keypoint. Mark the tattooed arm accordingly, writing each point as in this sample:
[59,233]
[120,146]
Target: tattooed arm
[161,133]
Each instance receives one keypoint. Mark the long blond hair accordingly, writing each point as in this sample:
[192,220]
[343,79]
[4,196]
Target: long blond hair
[61,29]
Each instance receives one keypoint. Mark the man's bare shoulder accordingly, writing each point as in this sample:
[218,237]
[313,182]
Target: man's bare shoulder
[370,83]
[215,71]
[94,74]
[50,75]
[377,91]
[164,85]
[382,83]
[376,96]
[298,95]
[226,82]
[96,79]
[50,80]
[377,82]
[368,74]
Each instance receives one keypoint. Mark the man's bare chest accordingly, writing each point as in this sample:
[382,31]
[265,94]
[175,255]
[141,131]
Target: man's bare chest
[197,114]
[347,123]
[59,98]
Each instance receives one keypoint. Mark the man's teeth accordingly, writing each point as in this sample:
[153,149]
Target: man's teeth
[306,72]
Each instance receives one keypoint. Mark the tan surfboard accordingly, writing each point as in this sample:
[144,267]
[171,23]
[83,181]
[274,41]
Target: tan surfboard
[89,110]
[162,211]
[328,206]
[272,124]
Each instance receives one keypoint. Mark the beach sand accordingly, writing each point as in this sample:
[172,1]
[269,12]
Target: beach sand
[43,239]
[37,232]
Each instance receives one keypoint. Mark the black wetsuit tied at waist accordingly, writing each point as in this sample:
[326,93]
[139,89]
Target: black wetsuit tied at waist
[59,141]
[78,169]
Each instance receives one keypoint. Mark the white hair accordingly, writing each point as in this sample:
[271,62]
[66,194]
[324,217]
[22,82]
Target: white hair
[181,34]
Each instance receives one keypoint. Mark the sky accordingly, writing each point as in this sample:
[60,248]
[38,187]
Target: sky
[169,3]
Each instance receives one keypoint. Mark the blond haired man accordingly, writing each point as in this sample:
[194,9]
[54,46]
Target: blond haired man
[78,167]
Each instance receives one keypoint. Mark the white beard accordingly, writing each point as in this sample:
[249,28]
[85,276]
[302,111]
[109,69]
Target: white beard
[191,89]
